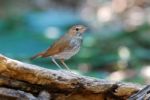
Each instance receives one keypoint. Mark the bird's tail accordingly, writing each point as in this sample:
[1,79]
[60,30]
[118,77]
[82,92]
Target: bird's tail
[38,55]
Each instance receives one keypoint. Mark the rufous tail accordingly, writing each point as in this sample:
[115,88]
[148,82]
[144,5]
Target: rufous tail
[36,56]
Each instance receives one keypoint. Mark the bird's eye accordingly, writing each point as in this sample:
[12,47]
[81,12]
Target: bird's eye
[77,29]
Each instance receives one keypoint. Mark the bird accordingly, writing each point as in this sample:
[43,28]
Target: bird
[65,47]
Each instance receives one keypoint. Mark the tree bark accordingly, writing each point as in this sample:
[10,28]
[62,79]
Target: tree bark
[24,81]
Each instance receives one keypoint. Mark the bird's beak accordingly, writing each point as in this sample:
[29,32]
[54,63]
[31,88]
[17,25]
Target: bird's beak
[85,28]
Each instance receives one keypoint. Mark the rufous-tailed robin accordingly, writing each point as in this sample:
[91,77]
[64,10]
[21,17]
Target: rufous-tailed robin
[66,46]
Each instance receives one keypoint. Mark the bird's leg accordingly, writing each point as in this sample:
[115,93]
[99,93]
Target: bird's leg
[62,61]
[54,61]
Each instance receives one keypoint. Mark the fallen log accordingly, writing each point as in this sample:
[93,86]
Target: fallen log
[31,80]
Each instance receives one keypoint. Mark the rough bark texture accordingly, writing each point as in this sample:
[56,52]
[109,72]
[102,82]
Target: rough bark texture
[24,81]
[143,94]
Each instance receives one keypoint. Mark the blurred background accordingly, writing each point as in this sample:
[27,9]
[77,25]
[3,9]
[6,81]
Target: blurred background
[116,46]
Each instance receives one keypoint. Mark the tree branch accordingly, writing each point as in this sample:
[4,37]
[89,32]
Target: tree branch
[60,84]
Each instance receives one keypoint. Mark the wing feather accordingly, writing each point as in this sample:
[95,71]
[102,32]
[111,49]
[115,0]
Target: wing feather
[59,46]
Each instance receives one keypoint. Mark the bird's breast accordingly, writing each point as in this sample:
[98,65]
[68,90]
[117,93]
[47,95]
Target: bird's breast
[75,42]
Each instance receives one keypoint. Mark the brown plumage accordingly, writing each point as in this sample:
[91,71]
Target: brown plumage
[65,47]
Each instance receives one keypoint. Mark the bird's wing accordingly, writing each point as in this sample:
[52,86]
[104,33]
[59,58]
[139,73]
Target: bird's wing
[59,46]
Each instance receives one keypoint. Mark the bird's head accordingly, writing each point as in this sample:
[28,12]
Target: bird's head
[77,30]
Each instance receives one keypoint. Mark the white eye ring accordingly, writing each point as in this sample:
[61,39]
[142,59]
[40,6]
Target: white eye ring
[77,29]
